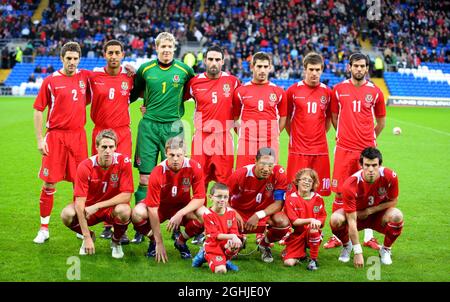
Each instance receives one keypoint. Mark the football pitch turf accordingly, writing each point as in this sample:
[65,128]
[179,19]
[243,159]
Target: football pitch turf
[420,156]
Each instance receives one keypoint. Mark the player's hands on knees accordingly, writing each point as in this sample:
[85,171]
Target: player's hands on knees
[161,254]
[252,223]
[43,147]
[89,246]
[358,260]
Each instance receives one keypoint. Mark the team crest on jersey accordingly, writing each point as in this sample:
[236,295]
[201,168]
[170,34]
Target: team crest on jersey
[124,85]
[219,258]
[269,187]
[186,181]
[323,102]
[114,177]
[45,172]
[229,223]
[176,78]
[226,90]
[82,85]
[382,191]
[272,98]
[316,209]
[369,100]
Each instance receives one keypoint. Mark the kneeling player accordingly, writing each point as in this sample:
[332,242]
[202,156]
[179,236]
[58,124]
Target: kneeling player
[103,188]
[370,196]
[257,195]
[306,211]
[168,198]
[222,234]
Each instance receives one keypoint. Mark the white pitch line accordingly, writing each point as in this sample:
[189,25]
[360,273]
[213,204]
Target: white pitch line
[423,127]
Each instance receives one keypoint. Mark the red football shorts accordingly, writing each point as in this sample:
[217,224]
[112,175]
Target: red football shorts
[167,211]
[215,254]
[215,153]
[346,163]
[246,152]
[320,163]
[67,148]
[262,224]
[123,137]
[374,222]
[105,214]
[296,245]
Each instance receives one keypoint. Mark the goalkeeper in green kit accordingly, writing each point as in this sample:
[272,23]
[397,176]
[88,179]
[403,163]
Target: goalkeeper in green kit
[162,81]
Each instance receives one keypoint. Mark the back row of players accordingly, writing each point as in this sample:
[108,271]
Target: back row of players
[258,111]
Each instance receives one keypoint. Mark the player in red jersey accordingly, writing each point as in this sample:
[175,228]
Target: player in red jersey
[308,120]
[103,189]
[355,103]
[169,198]
[257,194]
[370,198]
[306,211]
[65,93]
[261,107]
[223,240]
[110,98]
[212,143]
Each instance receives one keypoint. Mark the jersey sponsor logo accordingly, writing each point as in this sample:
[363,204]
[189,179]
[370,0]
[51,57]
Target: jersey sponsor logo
[226,90]
[124,85]
[298,97]
[269,187]
[394,174]
[229,223]
[344,95]
[99,83]
[316,209]
[281,170]
[247,97]
[60,87]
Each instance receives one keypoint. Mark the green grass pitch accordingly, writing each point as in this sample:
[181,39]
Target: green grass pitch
[420,156]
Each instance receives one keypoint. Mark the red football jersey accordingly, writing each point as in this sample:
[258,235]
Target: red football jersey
[170,188]
[358,194]
[356,108]
[213,101]
[259,108]
[216,224]
[110,98]
[66,98]
[297,207]
[250,194]
[98,184]
[308,110]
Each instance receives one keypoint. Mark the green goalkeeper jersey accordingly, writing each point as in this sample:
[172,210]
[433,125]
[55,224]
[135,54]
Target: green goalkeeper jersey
[163,89]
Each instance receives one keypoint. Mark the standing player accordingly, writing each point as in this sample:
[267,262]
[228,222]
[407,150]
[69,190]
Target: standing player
[308,121]
[64,146]
[354,105]
[212,91]
[257,194]
[162,82]
[222,235]
[103,189]
[169,198]
[370,197]
[306,211]
[110,98]
[261,107]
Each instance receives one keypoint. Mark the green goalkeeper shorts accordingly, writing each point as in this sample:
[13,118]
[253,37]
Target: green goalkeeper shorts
[151,141]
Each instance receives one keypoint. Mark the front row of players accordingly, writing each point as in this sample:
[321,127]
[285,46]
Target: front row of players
[257,199]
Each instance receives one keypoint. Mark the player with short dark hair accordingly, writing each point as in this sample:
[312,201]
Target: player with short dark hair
[65,94]
[355,103]
[306,211]
[103,189]
[222,235]
[169,198]
[370,197]
[308,120]
[162,82]
[257,194]
[259,109]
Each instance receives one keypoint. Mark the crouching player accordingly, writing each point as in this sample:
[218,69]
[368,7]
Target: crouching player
[306,211]
[169,198]
[222,235]
[370,196]
[103,188]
